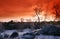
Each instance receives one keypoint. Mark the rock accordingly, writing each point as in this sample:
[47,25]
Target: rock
[29,36]
[14,35]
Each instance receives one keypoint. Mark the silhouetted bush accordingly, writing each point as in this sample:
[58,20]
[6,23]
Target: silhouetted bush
[11,25]
[37,25]
[50,30]
[27,26]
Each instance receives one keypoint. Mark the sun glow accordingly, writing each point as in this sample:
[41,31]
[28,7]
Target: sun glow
[43,17]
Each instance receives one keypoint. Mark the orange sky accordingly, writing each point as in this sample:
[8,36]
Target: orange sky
[19,8]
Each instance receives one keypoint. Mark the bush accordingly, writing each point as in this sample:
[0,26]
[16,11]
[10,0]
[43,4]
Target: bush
[50,30]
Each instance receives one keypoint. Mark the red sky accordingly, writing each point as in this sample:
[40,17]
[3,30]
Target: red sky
[15,8]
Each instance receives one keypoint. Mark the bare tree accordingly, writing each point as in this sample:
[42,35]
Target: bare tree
[22,20]
[56,7]
[37,11]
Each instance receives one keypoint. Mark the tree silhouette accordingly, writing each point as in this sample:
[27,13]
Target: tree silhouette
[56,7]
[37,11]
